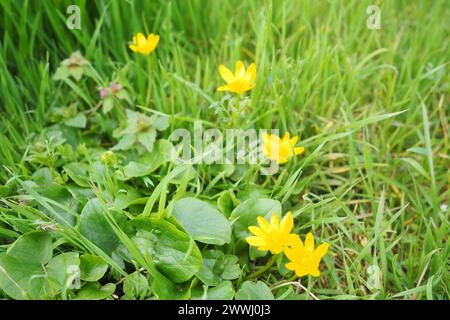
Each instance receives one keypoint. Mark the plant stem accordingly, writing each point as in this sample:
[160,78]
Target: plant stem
[150,78]
[268,265]
[233,112]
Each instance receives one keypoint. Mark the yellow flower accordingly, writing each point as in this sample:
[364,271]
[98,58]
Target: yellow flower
[304,259]
[278,149]
[144,45]
[239,82]
[273,236]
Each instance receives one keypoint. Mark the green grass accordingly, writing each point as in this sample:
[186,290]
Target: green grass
[371,107]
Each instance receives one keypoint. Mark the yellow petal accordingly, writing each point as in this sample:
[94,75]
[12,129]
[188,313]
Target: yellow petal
[294,140]
[133,47]
[309,242]
[263,223]
[265,247]
[274,220]
[282,159]
[141,39]
[156,40]
[266,138]
[293,253]
[153,42]
[315,272]
[134,40]
[276,248]
[286,137]
[256,231]
[255,241]
[299,150]
[301,272]
[223,88]
[294,240]
[290,266]
[250,74]
[287,223]
[226,74]
[321,250]
[240,69]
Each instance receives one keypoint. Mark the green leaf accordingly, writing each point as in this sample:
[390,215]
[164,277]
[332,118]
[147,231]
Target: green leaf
[108,104]
[34,247]
[160,123]
[212,267]
[96,228]
[62,268]
[125,143]
[63,197]
[92,267]
[79,121]
[16,276]
[202,221]
[124,200]
[147,138]
[149,161]
[225,203]
[172,251]
[224,291]
[94,291]
[254,291]
[217,266]
[61,73]
[231,268]
[247,212]
[133,121]
[136,285]
[76,72]
[79,173]
[165,289]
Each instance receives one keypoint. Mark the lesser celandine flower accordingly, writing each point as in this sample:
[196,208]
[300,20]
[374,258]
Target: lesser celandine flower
[273,236]
[144,45]
[304,258]
[241,81]
[280,150]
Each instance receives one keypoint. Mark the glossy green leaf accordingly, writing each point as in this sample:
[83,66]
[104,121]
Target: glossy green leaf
[172,251]
[92,267]
[212,267]
[94,291]
[79,173]
[254,291]
[150,161]
[16,276]
[62,269]
[224,291]
[95,226]
[136,285]
[202,221]
[34,247]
